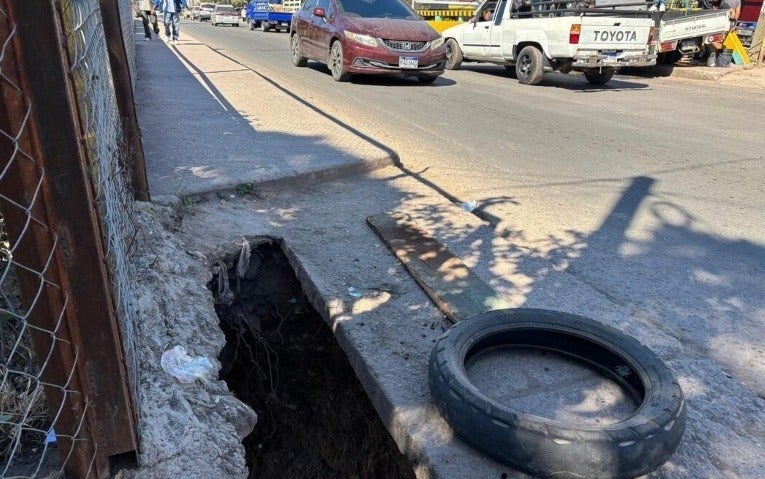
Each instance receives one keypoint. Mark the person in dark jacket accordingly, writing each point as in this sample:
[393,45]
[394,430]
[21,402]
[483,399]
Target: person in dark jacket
[147,12]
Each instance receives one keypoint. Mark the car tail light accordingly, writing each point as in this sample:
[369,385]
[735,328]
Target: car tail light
[573,34]
[717,37]
[668,46]
[651,34]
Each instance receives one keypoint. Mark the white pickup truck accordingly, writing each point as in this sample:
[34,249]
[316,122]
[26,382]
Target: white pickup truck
[681,32]
[535,42]
[685,33]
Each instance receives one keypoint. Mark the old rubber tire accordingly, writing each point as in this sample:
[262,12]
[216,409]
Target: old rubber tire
[297,58]
[251,25]
[529,66]
[599,76]
[453,55]
[264,26]
[544,447]
[335,63]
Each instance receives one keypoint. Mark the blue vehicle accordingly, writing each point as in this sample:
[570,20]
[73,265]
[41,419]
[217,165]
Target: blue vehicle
[271,14]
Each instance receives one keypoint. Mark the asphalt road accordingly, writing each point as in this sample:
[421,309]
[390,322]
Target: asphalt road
[650,189]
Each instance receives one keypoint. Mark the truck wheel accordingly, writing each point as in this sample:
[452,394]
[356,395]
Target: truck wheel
[297,58]
[250,25]
[528,67]
[453,55]
[336,63]
[669,58]
[263,26]
[544,447]
[599,76]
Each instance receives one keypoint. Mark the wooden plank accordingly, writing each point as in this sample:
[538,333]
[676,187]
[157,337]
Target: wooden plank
[455,289]
[756,49]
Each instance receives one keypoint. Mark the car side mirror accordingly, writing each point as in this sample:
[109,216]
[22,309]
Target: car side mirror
[319,12]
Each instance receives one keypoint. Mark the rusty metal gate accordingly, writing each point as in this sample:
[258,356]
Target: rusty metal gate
[71,164]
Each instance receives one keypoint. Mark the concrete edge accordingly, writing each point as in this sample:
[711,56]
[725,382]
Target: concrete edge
[383,405]
[299,179]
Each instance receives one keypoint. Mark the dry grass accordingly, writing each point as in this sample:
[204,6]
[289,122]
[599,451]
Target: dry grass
[23,412]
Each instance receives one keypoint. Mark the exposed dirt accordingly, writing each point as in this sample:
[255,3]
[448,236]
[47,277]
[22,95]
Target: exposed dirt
[315,420]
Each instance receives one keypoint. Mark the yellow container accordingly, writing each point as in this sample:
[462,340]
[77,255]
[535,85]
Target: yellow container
[441,25]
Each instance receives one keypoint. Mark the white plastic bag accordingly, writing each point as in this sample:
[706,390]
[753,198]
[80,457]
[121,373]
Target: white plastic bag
[185,368]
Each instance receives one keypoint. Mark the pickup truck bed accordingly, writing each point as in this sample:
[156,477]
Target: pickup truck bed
[687,31]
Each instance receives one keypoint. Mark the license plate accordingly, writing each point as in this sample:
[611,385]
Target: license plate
[609,53]
[408,62]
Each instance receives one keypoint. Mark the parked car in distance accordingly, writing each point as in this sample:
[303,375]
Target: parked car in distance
[205,11]
[225,15]
[370,37]
[194,12]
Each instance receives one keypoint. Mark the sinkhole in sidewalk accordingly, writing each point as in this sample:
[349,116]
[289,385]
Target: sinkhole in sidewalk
[280,357]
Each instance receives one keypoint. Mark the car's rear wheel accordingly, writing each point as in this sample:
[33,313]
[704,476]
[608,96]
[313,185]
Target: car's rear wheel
[263,26]
[336,66]
[453,55]
[599,76]
[297,58]
[528,67]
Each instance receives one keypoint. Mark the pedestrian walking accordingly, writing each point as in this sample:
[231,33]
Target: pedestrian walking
[148,13]
[171,17]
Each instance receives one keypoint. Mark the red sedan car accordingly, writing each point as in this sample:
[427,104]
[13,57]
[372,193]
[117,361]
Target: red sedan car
[366,37]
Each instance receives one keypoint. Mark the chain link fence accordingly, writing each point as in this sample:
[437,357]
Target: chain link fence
[107,151]
[51,421]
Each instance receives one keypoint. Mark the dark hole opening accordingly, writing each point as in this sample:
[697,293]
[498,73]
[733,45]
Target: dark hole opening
[314,418]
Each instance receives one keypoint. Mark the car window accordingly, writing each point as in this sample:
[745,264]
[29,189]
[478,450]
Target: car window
[376,9]
[207,5]
[224,8]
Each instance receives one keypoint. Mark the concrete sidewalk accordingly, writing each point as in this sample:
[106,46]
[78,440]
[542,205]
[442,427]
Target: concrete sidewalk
[743,76]
[202,135]
[219,127]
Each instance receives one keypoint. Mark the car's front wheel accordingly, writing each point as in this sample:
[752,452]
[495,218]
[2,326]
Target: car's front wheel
[336,66]
[453,55]
[297,58]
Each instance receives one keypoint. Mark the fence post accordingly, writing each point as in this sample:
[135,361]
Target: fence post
[23,192]
[115,44]
[90,315]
